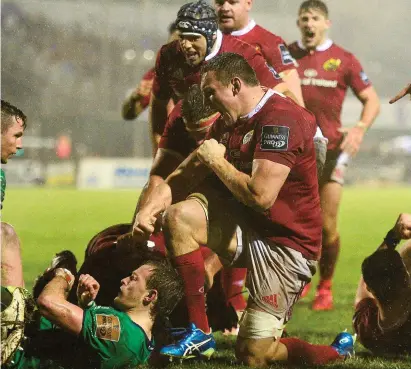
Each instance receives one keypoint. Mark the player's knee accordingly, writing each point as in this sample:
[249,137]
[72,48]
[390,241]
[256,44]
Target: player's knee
[175,217]
[250,355]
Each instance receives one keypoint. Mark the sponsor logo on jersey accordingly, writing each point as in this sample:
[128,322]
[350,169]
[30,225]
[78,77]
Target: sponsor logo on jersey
[247,137]
[275,138]
[271,300]
[108,327]
[285,55]
[364,77]
[310,73]
[319,82]
[331,65]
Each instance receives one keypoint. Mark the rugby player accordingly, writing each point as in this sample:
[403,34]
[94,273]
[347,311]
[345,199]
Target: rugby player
[254,174]
[13,124]
[178,63]
[327,71]
[139,99]
[405,91]
[382,316]
[234,19]
[91,336]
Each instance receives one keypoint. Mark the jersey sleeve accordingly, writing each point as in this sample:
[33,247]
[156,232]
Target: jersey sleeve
[161,86]
[266,74]
[356,78]
[279,138]
[101,330]
[174,136]
[145,87]
[278,56]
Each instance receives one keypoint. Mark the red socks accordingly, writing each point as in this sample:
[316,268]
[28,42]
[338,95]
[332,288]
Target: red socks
[233,284]
[301,352]
[191,268]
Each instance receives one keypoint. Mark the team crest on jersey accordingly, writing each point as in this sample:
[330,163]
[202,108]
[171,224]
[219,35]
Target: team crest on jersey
[247,137]
[108,327]
[331,65]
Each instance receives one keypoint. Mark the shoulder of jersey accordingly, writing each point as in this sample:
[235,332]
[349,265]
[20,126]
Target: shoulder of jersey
[339,49]
[233,44]
[266,35]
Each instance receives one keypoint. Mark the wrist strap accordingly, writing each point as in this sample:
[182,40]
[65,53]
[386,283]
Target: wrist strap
[391,240]
[66,274]
[362,125]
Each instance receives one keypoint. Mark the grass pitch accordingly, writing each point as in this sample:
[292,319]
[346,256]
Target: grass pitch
[50,220]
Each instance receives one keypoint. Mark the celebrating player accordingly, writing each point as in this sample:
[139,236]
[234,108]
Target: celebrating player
[178,63]
[13,124]
[89,336]
[326,71]
[139,99]
[234,19]
[382,316]
[255,174]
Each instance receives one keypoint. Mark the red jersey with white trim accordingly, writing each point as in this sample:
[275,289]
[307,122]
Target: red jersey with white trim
[326,74]
[273,47]
[281,131]
[173,75]
[175,136]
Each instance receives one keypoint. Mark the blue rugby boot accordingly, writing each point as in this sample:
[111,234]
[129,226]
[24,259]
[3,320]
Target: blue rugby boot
[194,344]
[344,344]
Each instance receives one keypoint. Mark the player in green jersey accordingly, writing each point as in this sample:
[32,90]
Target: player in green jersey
[91,336]
[13,123]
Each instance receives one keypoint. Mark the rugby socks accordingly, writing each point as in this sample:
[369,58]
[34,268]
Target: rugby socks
[191,268]
[328,261]
[304,353]
[233,284]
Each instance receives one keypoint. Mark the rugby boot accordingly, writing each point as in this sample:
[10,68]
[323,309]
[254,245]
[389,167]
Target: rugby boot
[194,344]
[323,299]
[344,344]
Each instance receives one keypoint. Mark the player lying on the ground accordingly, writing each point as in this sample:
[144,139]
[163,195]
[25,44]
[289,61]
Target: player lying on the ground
[327,71]
[405,91]
[13,124]
[257,205]
[88,335]
[382,316]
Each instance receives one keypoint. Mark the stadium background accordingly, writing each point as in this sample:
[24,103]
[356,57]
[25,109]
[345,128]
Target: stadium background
[69,65]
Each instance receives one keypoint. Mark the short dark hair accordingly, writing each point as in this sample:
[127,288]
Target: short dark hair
[169,285]
[194,108]
[230,65]
[9,111]
[314,4]
[385,274]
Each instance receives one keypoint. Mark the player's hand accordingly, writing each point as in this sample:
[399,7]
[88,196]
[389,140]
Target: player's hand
[352,141]
[405,91]
[87,289]
[144,226]
[209,151]
[402,228]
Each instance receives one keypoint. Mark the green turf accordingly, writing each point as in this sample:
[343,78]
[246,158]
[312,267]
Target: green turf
[49,220]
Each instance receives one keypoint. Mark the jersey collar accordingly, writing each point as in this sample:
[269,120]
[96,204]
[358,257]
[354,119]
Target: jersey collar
[324,46]
[241,32]
[260,104]
[217,46]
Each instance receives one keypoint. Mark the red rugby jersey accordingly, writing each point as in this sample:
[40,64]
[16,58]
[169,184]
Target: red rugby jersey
[281,131]
[326,73]
[273,47]
[145,91]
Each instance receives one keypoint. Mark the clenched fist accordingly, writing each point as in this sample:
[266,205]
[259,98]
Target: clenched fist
[87,289]
[402,227]
[210,151]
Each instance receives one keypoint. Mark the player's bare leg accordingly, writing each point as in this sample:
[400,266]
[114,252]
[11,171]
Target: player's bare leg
[330,195]
[11,265]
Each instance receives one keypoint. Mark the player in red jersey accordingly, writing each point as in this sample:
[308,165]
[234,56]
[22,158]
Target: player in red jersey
[326,72]
[258,206]
[382,316]
[178,63]
[139,99]
[234,19]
